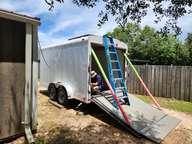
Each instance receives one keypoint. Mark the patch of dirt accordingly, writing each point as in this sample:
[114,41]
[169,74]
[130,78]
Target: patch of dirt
[182,134]
[90,125]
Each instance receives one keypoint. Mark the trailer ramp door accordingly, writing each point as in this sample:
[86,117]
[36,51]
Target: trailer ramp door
[144,118]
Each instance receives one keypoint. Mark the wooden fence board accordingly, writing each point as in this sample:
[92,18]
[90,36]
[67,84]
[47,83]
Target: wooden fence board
[182,83]
[151,75]
[145,78]
[163,81]
[168,86]
[160,82]
[178,83]
[190,91]
[142,76]
[137,83]
[187,83]
[173,73]
[156,82]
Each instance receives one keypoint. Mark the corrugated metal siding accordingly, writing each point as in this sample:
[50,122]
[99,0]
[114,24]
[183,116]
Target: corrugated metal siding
[12,77]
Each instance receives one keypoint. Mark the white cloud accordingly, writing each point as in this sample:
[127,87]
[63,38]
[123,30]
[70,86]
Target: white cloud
[47,40]
[6,4]
[67,20]
[63,25]
[80,20]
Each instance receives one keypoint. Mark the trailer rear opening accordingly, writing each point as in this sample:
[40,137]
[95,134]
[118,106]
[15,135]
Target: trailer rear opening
[99,50]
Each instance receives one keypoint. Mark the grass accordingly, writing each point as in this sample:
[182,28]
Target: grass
[173,104]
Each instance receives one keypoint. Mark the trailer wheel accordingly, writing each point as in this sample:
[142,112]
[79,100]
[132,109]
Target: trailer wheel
[62,95]
[52,91]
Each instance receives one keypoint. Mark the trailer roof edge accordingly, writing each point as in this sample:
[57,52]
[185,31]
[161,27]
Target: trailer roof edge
[93,39]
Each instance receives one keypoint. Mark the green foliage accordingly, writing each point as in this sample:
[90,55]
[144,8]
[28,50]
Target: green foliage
[148,44]
[188,43]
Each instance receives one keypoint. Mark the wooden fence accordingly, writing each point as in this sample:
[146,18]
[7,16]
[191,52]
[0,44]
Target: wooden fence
[163,81]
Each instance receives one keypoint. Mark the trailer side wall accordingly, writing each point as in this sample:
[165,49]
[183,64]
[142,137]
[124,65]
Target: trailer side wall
[67,64]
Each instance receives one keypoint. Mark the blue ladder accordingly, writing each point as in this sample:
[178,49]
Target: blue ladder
[114,69]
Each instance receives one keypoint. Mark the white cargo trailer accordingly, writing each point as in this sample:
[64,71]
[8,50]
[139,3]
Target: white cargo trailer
[65,72]
[68,66]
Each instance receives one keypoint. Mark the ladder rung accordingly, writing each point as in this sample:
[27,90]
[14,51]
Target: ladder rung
[118,91]
[118,79]
[114,61]
[120,88]
[110,44]
[116,70]
[112,52]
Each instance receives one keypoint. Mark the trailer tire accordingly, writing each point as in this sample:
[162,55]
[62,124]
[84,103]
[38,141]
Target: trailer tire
[62,96]
[52,91]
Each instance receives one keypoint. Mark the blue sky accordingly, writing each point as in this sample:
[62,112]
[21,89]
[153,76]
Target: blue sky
[68,20]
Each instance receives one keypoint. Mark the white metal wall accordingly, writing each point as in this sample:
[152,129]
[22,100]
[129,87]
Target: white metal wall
[68,64]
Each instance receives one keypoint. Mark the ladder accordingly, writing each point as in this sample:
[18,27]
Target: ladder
[116,76]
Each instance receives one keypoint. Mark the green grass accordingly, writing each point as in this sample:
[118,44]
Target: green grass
[173,104]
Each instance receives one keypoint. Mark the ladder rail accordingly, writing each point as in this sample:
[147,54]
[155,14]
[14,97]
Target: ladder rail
[109,67]
[113,59]
[119,66]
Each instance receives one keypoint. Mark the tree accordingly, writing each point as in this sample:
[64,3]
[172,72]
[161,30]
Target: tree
[147,44]
[182,54]
[135,10]
[188,44]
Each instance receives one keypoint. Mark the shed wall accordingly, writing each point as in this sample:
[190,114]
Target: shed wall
[12,77]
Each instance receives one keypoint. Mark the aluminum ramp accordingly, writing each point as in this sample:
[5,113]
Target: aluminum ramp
[144,118]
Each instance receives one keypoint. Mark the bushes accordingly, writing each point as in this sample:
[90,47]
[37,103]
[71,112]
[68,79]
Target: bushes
[148,44]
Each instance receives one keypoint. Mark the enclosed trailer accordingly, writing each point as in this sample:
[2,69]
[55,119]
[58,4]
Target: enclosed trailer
[18,75]
[70,64]
[65,72]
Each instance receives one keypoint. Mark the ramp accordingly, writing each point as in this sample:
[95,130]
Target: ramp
[145,119]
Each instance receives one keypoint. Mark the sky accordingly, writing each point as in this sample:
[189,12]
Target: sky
[67,20]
